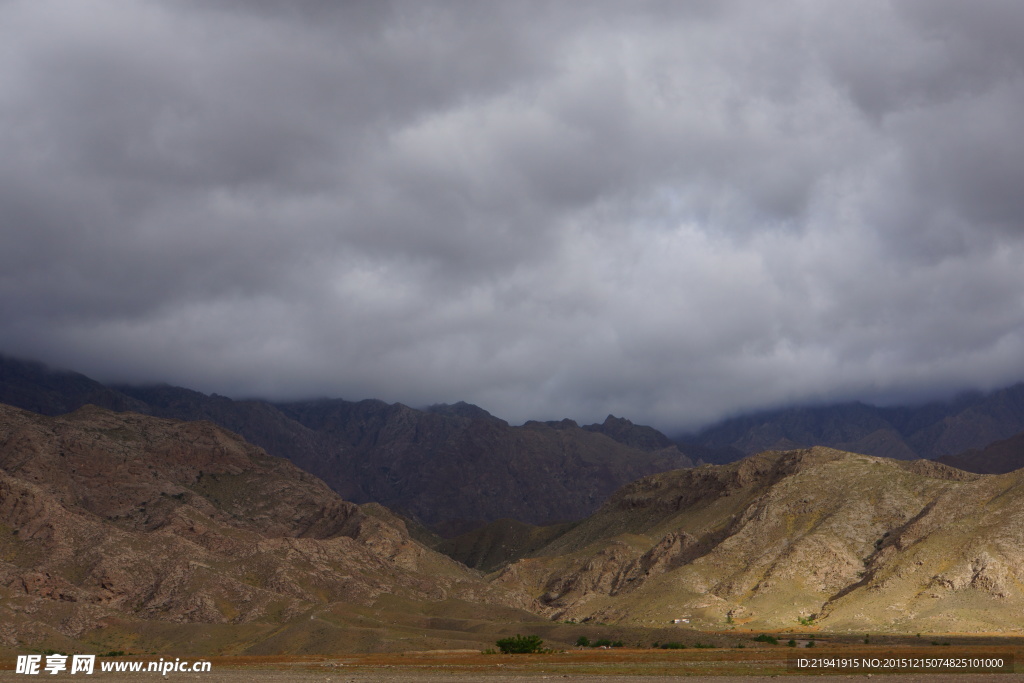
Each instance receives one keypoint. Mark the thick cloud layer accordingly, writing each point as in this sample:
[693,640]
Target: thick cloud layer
[669,211]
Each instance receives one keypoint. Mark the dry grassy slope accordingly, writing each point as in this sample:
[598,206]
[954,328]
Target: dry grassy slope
[858,542]
[112,516]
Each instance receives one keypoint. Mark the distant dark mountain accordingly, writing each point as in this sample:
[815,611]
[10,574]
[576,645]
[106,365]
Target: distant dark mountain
[454,467]
[625,432]
[971,421]
[450,467]
[1000,457]
[852,427]
[461,409]
[33,386]
[454,472]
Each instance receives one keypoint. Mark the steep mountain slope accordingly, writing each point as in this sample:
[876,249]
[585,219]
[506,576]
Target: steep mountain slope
[851,541]
[971,421]
[108,519]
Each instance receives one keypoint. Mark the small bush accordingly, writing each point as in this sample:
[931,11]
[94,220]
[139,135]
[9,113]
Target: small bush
[765,638]
[583,641]
[791,643]
[673,646]
[810,644]
[520,645]
[603,642]
[703,646]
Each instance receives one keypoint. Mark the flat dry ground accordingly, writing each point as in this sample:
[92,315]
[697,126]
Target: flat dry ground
[600,666]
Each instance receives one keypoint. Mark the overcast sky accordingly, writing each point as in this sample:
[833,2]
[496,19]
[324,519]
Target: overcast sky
[670,211]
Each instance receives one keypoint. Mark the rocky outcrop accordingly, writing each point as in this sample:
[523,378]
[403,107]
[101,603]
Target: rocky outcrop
[120,515]
[842,540]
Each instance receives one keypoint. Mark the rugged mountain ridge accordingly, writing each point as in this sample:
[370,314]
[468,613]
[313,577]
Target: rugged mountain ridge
[115,521]
[933,430]
[847,542]
[457,467]
[451,468]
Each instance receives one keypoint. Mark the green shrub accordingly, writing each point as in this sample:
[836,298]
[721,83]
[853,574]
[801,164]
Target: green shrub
[520,645]
[583,641]
[765,638]
[791,643]
[673,646]
[702,645]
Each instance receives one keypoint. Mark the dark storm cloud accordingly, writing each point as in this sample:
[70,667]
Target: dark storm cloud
[671,211]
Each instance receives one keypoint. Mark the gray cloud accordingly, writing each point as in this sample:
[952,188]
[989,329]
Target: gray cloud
[670,211]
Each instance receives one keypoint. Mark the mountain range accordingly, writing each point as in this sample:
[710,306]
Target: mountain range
[484,469]
[159,517]
[127,531]
[970,421]
[447,467]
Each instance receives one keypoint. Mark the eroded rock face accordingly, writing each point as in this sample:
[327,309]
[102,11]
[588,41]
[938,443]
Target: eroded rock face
[120,514]
[845,540]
